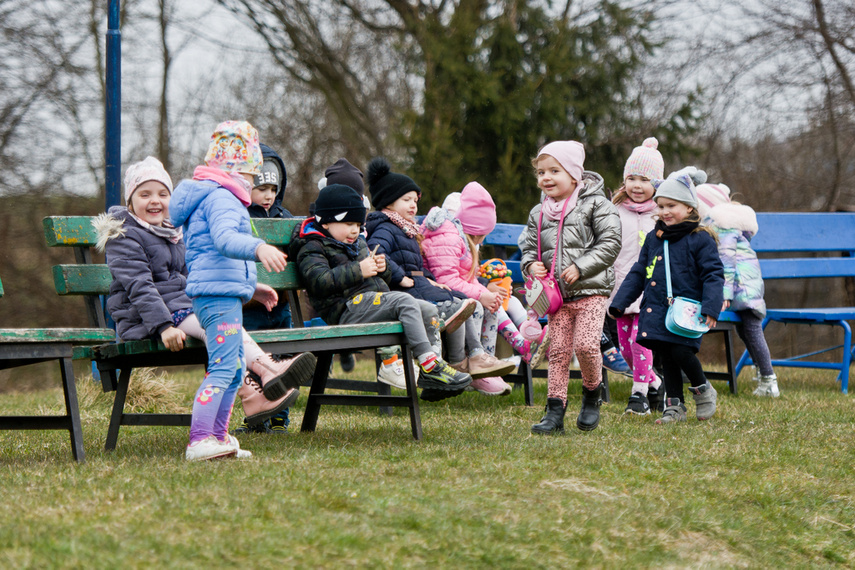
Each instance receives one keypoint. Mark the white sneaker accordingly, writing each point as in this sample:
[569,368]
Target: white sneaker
[392,374]
[241,453]
[209,448]
[768,387]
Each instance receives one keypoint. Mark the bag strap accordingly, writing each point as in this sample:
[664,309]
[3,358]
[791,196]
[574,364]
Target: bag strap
[555,258]
[668,274]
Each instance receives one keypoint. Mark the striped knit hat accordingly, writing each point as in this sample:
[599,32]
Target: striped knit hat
[710,196]
[645,161]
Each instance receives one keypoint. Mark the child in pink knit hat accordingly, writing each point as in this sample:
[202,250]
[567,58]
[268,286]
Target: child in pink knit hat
[635,205]
[575,235]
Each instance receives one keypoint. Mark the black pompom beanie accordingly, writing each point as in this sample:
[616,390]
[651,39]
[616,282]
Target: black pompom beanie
[339,203]
[386,186]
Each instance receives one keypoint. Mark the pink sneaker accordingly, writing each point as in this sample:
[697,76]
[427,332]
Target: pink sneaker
[536,349]
[490,386]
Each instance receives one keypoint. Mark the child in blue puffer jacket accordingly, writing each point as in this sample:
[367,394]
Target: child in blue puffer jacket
[220,256]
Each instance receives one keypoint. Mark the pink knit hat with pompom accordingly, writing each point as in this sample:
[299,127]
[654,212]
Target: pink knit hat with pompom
[645,161]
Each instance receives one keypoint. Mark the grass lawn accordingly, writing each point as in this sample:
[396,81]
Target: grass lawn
[764,484]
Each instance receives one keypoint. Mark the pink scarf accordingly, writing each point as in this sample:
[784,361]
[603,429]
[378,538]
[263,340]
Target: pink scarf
[552,208]
[410,228]
[231,181]
[639,207]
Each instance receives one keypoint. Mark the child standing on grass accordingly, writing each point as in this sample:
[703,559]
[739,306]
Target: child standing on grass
[268,190]
[636,208]
[145,254]
[392,228]
[735,224]
[221,254]
[347,285]
[696,273]
[582,255]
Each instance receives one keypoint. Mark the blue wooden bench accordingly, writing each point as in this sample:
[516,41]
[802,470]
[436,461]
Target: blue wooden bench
[115,361]
[816,245]
[23,346]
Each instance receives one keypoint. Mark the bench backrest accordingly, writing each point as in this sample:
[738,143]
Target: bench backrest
[804,234]
[91,279]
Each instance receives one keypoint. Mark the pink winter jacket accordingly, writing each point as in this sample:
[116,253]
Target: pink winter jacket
[446,253]
[634,227]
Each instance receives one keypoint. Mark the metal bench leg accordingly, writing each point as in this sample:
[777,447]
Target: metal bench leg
[847,357]
[72,409]
[118,409]
[412,392]
[319,384]
[607,396]
[528,385]
[728,355]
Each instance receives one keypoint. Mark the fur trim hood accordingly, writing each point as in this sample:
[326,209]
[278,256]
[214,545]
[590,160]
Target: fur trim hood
[735,217]
[108,226]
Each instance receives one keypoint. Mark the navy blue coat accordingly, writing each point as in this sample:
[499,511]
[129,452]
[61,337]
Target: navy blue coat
[149,277]
[277,210]
[696,273]
[404,259]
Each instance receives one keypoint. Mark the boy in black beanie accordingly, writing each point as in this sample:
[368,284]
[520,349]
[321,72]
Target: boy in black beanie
[347,285]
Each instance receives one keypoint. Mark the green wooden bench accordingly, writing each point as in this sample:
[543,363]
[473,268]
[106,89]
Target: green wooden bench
[21,347]
[115,361]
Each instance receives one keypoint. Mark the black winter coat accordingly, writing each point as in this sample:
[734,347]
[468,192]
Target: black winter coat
[404,259]
[330,270]
[149,278]
[696,273]
[277,210]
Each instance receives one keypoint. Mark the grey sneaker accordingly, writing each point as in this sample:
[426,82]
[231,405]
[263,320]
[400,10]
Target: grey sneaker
[705,398]
[675,411]
[768,387]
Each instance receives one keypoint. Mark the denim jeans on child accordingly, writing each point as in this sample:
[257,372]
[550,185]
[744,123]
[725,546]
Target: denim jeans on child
[222,319]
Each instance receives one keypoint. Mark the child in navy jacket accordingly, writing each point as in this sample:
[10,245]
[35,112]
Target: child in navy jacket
[696,273]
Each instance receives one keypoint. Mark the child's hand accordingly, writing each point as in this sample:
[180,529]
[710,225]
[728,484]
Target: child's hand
[537,269]
[571,274]
[490,301]
[369,266]
[498,289]
[173,339]
[271,258]
[407,282]
[711,322]
[725,305]
[266,295]
[440,285]
[381,262]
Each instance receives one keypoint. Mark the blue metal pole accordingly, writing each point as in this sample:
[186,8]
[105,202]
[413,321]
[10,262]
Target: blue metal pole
[113,116]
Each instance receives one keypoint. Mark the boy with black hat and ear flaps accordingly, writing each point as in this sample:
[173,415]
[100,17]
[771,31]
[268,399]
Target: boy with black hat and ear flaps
[346,285]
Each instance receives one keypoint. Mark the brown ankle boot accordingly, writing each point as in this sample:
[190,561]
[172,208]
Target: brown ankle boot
[279,377]
[257,407]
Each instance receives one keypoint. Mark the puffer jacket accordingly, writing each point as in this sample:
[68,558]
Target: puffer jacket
[735,225]
[149,275]
[696,273]
[404,259]
[330,270]
[447,255]
[277,210]
[591,239]
[634,227]
[218,235]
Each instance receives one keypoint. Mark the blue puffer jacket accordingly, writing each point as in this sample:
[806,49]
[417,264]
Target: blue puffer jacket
[218,236]
[696,273]
[403,258]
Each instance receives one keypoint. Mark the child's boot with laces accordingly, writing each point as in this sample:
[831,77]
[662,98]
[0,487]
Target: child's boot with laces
[256,406]
[278,377]
[705,398]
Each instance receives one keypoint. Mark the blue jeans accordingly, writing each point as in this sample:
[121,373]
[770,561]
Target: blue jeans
[222,319]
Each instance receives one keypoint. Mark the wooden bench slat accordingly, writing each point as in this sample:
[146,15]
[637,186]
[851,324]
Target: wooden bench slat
[74,336]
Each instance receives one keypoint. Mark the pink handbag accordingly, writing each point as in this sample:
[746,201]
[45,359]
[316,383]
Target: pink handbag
[543,294]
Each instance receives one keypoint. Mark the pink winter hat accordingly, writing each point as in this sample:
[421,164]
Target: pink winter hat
[710,196]
[143,171]
[477,213]
[569,154]
[645,161]
[234,147]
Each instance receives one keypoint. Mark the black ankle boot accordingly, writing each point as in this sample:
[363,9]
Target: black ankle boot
[589,417]
[553,421]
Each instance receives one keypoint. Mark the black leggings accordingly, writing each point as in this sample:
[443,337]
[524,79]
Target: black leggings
[676,358]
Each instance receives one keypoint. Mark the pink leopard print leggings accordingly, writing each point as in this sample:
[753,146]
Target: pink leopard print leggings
[576,328]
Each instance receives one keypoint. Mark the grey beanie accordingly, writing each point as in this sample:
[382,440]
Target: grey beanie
[680,186]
